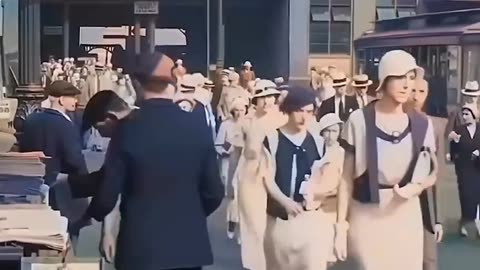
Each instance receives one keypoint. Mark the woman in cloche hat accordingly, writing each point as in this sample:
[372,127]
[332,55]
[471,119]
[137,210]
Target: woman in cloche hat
[385,224]
[252,195]
[229,144]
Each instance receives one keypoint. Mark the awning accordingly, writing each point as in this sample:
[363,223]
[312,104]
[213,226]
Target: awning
[454,35]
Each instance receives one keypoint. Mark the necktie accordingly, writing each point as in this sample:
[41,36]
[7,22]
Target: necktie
[363,101]
[341,109]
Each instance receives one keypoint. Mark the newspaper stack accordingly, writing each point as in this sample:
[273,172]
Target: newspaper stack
[25,164]
[25,216]
[41,226]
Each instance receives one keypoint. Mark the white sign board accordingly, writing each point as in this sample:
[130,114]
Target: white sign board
[5,112]
[146,7]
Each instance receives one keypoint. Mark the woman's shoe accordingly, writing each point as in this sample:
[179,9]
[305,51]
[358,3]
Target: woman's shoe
[463,231]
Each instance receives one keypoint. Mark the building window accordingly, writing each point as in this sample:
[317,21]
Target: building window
[391,9]
[385,3]
[386,13]
[406,3]
[320,14]
[406,12]
[330,26]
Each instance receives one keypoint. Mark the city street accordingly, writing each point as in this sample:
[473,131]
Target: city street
[455,253]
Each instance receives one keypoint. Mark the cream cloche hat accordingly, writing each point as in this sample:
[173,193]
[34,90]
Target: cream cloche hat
[265,88]
[329,120]
[472,108]
[397,63]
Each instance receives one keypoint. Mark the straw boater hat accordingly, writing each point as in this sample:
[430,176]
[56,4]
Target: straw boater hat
[199,79]
[339,79]
[361,80]
[208,84]
[471,89]
[397,63]
[329,120]
[188,84]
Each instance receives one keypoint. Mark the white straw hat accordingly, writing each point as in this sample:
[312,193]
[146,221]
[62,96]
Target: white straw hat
[471,89]
[397,63]
[188,84]
[339,79]
[199,79]
[265,88]
[361,80]
[329,120]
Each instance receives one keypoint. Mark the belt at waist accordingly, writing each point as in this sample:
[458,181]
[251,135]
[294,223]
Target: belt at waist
[383,186]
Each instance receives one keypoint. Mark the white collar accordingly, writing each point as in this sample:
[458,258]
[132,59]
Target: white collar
[64,114]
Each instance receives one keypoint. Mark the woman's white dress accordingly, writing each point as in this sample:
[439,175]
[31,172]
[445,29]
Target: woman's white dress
[387,235]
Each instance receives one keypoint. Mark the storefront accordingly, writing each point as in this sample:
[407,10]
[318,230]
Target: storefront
[446,44]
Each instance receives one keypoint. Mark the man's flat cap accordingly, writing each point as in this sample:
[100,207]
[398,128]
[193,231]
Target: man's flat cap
[154,66]
[62,89]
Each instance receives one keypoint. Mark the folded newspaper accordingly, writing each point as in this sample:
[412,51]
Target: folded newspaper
[34,225]
[23,164]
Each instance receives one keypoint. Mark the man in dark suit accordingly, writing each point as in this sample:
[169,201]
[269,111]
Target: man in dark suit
[53,133]
[340,104]
[360,86]
[163,162]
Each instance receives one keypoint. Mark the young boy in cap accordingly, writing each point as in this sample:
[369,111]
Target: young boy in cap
[163,163]
[53,133]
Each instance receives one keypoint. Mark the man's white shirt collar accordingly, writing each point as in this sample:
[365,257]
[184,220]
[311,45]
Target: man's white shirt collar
[64,114]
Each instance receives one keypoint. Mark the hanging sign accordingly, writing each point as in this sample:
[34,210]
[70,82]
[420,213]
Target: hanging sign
[146,7]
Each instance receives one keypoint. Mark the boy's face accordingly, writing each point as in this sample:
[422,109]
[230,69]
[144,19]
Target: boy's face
[303,116]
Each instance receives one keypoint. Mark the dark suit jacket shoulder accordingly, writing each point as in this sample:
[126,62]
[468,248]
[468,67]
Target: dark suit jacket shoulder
[163,162]
[53,134]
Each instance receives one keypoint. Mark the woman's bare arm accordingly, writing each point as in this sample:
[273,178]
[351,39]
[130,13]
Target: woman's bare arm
[345,188]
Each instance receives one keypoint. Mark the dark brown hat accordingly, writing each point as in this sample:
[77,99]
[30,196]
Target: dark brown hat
[62,89]
[156,66]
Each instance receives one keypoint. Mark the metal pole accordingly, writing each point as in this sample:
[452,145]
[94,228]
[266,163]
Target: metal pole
[221,36]
[137,34]
[152,25]
[66,30]
[208,38]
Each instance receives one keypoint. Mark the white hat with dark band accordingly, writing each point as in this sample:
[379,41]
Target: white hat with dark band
[339,79]
[471,89]
[361,81]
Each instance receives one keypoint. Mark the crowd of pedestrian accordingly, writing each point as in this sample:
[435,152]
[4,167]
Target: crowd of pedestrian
[306,173]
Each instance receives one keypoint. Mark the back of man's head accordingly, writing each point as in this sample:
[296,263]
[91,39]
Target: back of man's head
[154,72]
